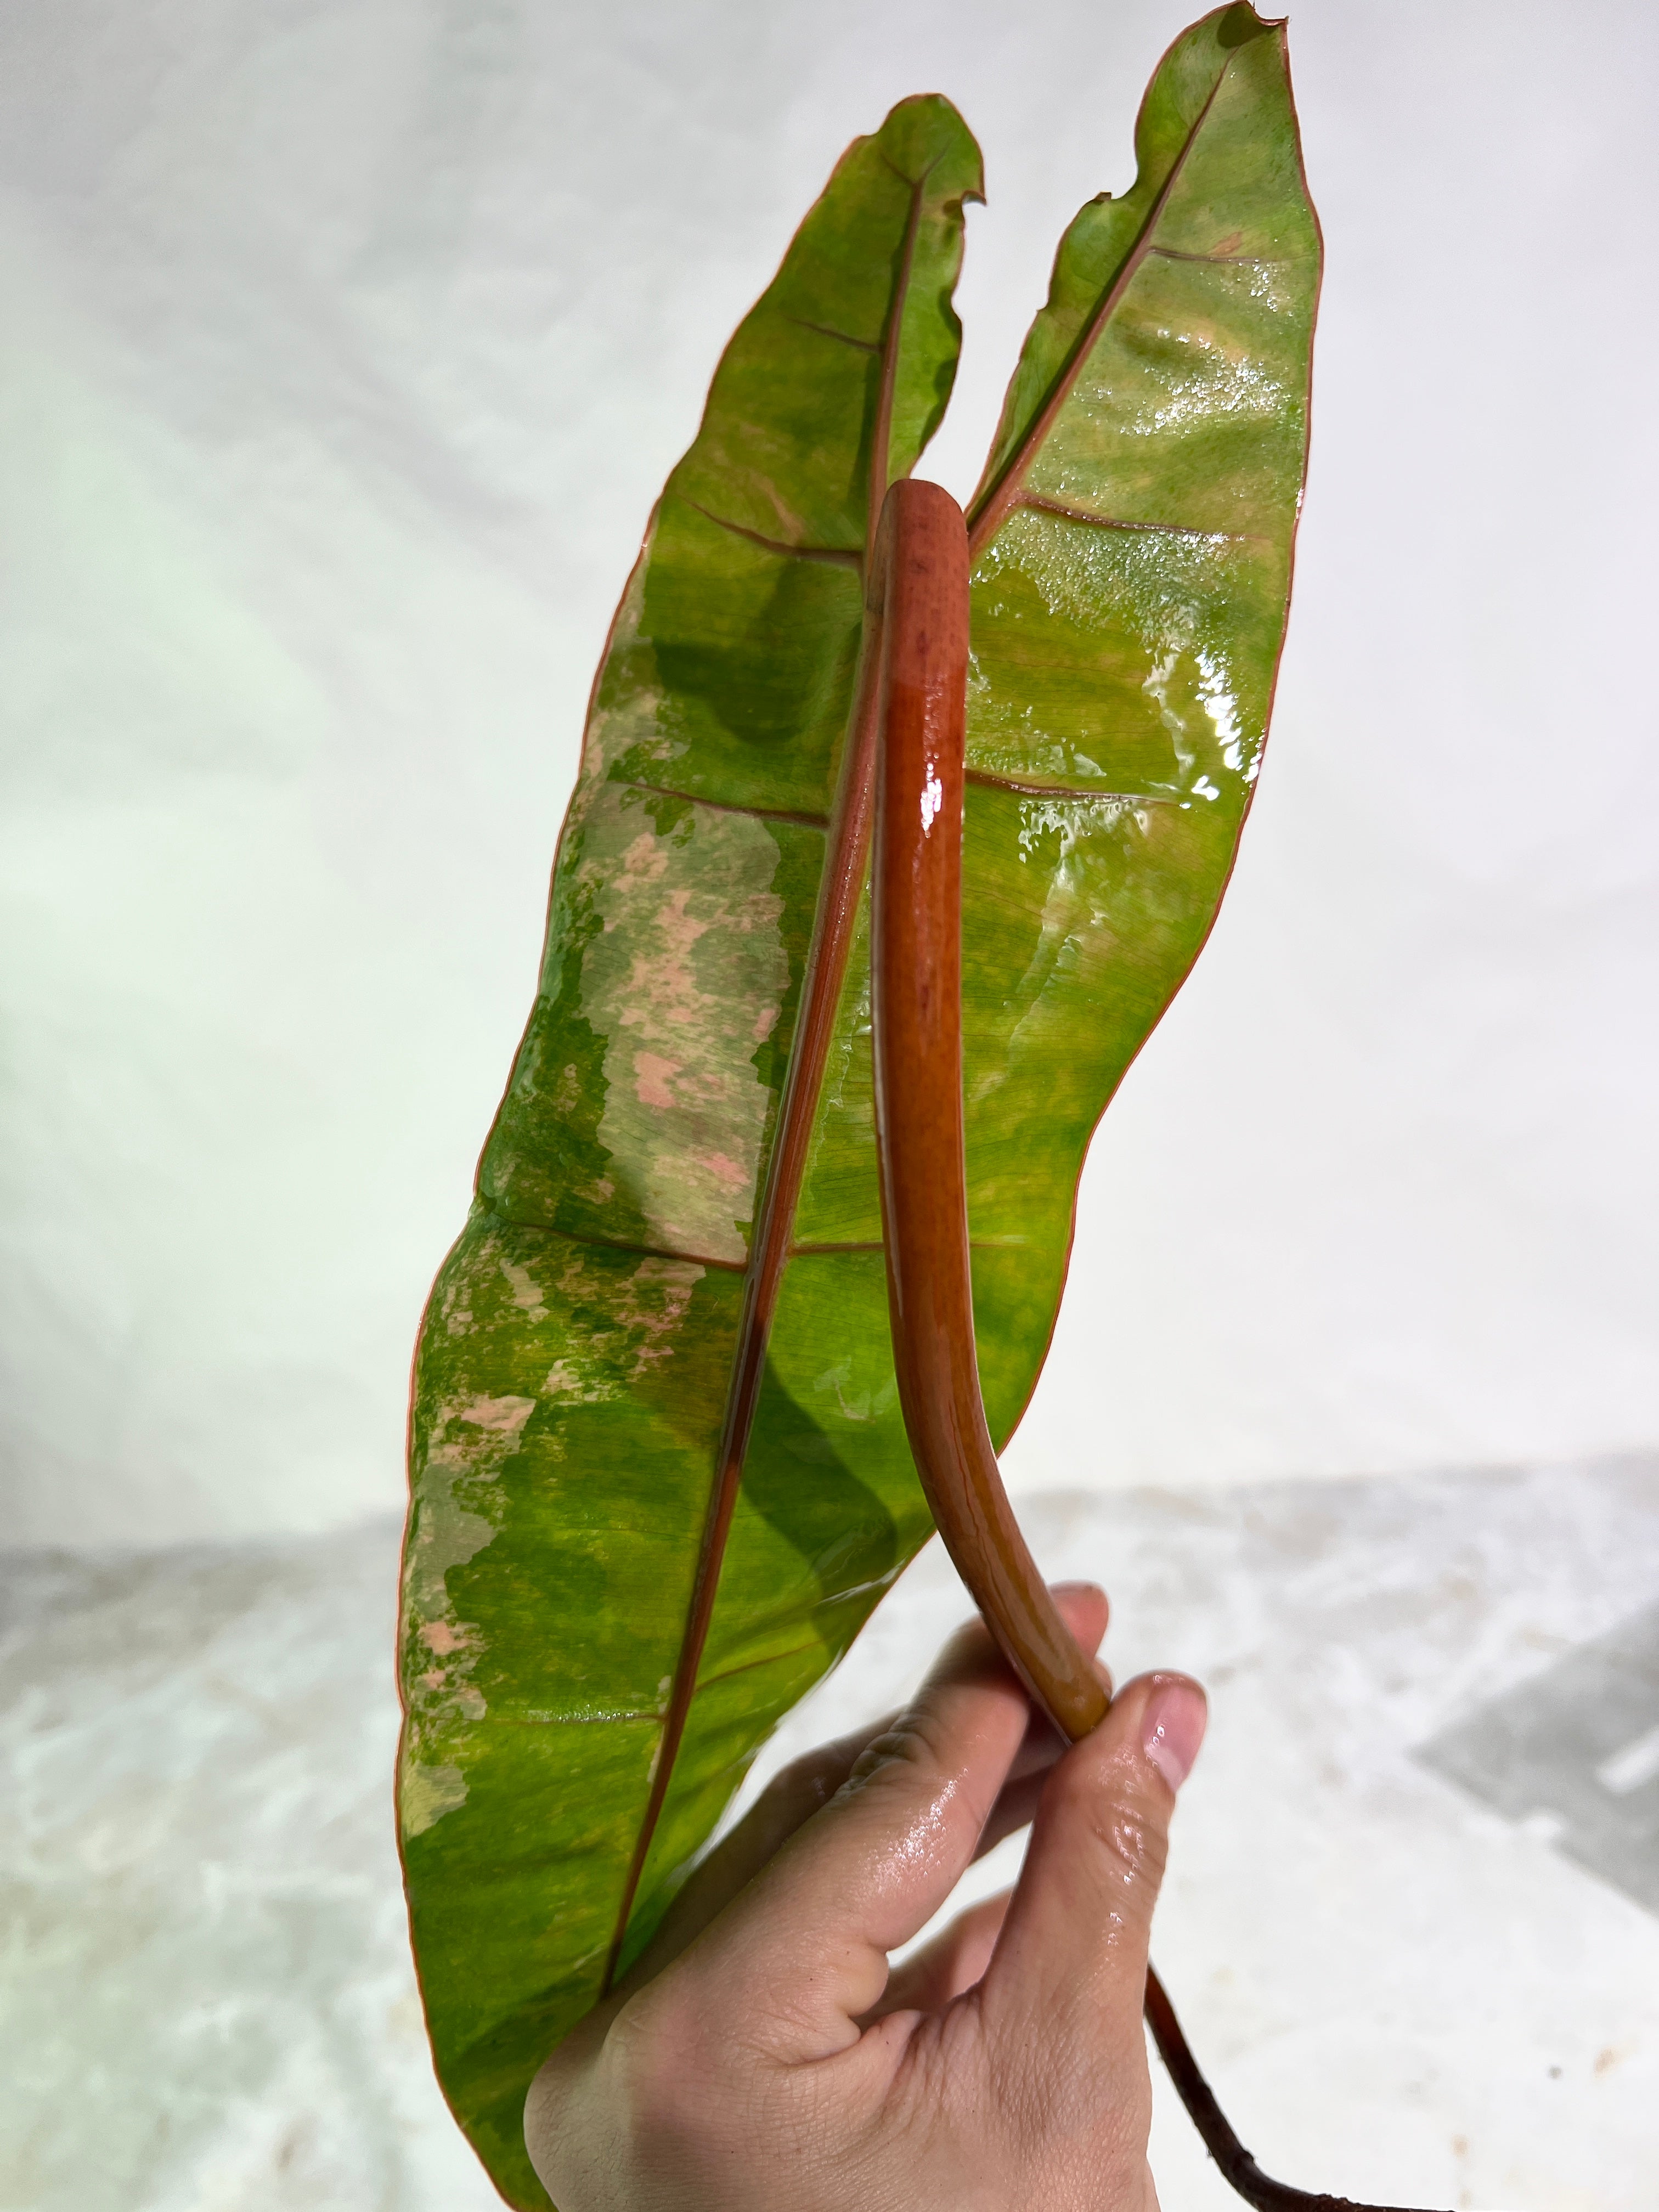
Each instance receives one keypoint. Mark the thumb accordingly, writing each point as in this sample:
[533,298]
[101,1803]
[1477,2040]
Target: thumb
[1061,1999]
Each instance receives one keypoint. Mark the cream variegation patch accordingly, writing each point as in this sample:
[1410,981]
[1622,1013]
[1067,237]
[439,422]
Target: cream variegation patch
[470,1441]
[426,1794]
[684,979]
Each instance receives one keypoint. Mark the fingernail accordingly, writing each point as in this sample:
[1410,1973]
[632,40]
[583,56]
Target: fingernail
[1176,1716]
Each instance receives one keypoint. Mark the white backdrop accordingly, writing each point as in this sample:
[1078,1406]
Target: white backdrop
[345,345]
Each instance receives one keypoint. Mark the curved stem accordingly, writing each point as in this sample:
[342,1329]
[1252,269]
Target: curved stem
[916,973]
[922,569]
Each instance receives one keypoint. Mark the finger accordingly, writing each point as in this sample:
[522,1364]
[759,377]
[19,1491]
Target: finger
[1043,1743]
[941,1971]
[1070,1968]
[1022,1793]
[789,1800]
[804,1952]
[806,1785]
[1016,1808]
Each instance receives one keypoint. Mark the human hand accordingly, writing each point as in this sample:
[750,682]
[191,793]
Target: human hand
[761,2055]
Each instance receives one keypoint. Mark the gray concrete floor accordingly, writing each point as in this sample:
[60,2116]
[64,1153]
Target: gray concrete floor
[1410,1919]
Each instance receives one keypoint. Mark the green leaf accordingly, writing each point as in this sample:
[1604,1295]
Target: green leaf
[573,1371]
[569,1746]
[1131,542]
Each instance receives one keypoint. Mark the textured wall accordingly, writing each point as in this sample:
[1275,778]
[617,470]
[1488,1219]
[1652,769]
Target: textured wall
[343,348]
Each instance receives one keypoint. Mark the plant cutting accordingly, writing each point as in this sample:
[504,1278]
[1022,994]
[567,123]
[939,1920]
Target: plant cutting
[712,1351]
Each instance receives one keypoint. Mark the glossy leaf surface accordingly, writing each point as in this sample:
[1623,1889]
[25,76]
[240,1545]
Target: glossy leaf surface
[575,1361]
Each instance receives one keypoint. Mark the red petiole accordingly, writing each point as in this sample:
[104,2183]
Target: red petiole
[922,570]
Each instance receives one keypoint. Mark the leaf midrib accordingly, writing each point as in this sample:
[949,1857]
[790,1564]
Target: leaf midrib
[849,837]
